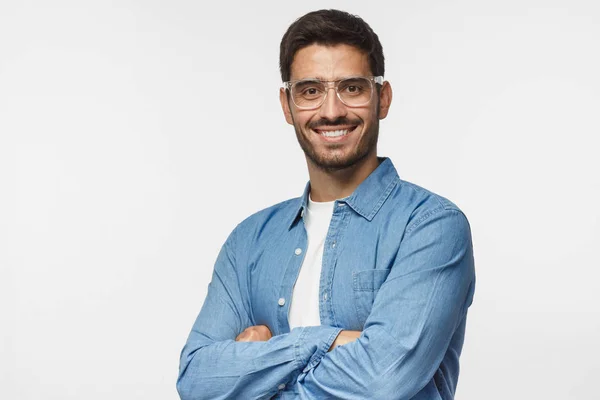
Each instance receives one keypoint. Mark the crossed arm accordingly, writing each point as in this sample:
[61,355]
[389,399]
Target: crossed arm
[405,338]
[262,333]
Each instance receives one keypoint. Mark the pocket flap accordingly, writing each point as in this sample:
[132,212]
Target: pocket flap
[369,280]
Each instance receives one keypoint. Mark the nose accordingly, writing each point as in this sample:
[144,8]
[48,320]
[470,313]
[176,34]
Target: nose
[332,108]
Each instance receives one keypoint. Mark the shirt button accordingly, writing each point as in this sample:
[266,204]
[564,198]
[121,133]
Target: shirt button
[341,204]
[281,387]
[333,245]
[325,296]
[298,251]
[281,301]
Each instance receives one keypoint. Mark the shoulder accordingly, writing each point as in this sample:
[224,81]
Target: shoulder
[421,205]
[423,198]
[271,218]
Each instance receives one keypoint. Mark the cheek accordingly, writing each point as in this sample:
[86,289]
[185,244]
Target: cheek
[370,116]
[302,119]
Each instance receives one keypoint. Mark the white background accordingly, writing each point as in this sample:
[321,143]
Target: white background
[135,135]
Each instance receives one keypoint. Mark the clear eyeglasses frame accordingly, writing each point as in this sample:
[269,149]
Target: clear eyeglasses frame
[353,91]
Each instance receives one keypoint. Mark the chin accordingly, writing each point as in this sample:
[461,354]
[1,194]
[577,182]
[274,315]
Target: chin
[336,163]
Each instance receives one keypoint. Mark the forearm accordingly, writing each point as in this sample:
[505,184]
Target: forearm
[376,365]
[230,369]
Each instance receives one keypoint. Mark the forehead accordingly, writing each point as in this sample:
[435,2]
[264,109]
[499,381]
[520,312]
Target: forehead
[329,62]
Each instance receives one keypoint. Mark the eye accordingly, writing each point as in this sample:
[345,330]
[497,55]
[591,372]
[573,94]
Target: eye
[311,91]
[353,87]
[308,90]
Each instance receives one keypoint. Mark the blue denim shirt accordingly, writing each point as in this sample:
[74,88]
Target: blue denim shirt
[397,264]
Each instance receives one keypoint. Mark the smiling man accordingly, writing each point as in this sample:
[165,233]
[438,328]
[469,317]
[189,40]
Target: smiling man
[358,289]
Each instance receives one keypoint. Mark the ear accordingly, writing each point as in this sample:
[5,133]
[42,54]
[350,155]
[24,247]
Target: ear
[285,106]
[385,99]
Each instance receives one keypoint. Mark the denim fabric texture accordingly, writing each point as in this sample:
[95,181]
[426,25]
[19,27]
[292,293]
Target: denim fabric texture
[397,265]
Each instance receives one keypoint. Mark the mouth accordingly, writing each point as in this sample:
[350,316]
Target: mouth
[334,133]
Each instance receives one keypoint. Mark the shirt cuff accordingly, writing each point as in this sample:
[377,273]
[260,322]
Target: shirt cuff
[312,344]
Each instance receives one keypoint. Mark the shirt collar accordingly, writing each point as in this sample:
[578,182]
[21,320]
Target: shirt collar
[367,198]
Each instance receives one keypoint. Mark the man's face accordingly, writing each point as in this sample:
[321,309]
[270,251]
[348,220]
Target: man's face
[359,124]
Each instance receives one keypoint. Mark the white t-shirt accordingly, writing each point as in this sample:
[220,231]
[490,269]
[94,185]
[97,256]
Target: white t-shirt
[304,309]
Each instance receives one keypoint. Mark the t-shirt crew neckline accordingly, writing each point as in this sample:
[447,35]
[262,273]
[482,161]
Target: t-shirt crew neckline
[320,207]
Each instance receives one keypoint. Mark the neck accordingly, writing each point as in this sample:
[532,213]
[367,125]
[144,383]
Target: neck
[329,185]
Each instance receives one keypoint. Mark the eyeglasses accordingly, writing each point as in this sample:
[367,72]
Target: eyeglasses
[356,91]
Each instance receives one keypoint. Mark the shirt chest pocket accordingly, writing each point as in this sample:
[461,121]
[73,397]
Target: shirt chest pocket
[365,286]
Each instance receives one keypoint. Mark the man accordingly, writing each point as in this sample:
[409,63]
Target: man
[359,289]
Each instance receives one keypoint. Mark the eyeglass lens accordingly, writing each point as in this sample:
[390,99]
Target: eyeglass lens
[353,92]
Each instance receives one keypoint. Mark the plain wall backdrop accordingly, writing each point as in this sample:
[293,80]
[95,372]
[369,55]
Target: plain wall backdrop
[135,135]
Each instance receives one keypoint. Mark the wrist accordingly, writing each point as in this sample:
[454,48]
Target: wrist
[345,337]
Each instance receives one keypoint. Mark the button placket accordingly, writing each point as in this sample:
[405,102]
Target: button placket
[286,290]
[338,223]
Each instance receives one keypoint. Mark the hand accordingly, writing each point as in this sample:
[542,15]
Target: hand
[345,337]
[256,333]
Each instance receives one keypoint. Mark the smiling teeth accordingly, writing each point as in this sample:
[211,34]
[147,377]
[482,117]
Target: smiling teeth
[334,133]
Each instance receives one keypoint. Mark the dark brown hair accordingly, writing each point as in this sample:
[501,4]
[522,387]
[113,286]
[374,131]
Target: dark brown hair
[330,28]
